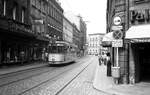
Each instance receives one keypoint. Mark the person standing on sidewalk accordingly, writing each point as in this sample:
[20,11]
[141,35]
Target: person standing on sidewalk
[100,59]
[108,63]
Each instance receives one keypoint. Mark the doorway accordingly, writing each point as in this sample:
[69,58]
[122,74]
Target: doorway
[143,67]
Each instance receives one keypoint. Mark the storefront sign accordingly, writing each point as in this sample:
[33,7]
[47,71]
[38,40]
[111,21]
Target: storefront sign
[117,43]
[19,27]
[140,16]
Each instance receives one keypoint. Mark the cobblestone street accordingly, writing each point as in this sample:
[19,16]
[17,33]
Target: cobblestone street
[76,79]
[83,84]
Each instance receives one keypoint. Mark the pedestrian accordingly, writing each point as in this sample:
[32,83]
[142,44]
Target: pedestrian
[108,63]
[22,57]
[100,59]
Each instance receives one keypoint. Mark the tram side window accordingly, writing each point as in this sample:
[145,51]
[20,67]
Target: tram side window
[60,49]
[56,49]
[52,49]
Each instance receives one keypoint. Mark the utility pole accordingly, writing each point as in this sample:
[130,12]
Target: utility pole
[127,20]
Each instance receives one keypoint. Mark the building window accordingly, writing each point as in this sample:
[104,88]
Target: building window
[4,8]
[14,13]
[23,15]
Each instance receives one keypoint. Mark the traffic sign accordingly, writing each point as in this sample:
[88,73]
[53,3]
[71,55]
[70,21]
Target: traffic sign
[117,20]
[119,27]
[118,34]
[117,43]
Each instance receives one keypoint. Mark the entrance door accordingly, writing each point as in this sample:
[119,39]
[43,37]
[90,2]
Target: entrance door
[144,60]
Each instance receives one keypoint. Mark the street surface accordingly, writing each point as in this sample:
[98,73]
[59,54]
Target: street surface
[74,79]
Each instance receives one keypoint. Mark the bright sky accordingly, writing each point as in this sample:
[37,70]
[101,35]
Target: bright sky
[93,11]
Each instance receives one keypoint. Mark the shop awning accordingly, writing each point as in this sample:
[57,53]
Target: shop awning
[136,32]
[107,39]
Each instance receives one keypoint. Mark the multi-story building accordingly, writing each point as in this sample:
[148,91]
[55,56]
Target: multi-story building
[94,44]
[83,30]
[27,26]
[134,55]
[118,8]
[80,31]
[47,21]
[139,42]
[67,31]
[16,35]
[76,40]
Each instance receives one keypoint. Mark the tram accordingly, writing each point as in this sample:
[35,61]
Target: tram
[60,52]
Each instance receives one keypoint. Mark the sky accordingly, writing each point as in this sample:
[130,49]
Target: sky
[92,11]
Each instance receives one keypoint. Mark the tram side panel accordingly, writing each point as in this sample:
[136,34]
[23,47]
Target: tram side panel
[56,57]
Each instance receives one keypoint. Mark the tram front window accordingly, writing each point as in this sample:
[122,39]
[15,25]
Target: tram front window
[56,49]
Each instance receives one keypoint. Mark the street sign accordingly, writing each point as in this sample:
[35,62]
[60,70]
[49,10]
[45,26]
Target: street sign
[117,20]
[119,27]
[117,43]
[118,34]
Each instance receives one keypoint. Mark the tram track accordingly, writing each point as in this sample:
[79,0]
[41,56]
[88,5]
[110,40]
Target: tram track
[7,76]
[72,80]
[17,74]
[49,72]
[52,79]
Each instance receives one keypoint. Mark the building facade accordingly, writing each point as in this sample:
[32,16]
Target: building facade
[68,33]
[16,33]
[133,56]
[94,44]
[83,30]
[118,8]
[138,36]
[47,23]
[77,40]
[27,27]
[79,35]
[67,30]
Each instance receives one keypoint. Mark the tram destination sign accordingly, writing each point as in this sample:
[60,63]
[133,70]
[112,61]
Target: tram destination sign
[117,43]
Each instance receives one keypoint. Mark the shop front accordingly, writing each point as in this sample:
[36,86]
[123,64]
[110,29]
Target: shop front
[18,44]
[138,38]
[15,48]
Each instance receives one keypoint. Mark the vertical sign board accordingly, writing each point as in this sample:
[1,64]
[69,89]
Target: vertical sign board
[117,43]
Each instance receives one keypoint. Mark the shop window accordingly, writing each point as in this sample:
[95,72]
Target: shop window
[4,7]
[23,15]
[14,11]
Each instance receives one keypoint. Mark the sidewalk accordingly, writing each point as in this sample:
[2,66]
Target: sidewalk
[6,70]
[106,84]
